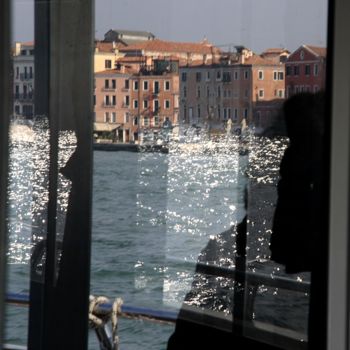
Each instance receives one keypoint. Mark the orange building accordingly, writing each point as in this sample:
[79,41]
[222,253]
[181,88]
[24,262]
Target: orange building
[130,104]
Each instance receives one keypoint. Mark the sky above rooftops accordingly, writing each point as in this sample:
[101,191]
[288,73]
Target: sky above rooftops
[256,24]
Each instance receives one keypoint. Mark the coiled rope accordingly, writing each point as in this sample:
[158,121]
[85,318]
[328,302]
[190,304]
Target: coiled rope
[99,317]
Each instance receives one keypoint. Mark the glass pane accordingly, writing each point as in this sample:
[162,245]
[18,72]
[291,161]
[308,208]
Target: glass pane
[27,168]
[188,226]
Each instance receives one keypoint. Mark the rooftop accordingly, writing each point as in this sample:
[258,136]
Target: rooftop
[171,46]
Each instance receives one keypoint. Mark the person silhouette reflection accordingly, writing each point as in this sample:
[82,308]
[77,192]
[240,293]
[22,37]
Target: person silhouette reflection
[298,239]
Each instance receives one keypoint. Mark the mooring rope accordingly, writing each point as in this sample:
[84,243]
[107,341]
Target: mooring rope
[99,317]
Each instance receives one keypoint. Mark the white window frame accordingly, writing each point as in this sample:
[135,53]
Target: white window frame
[167,104]
[145,85]
[260,74]
[167,82]
[135,85]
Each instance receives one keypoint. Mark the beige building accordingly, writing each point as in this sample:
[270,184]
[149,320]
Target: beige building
[106,54]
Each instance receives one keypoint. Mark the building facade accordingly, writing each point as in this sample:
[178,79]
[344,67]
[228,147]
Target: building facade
[306,70]
[23,75]
[135,104]
[250,88]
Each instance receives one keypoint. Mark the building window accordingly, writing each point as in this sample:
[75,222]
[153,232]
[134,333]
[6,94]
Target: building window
[113,117]
[107,101]
[246,74]
[199,111]
[226,77]
[208,76]
[106,117]
[156,120]
[184,76]
[281,93]
[145,104]
[135,121]
[126,84]
[261,93]
[315,69]
[145,85]
[145,121]
[156,106]
[261,75]
[184,92]
[302,54]
[136,103]
[296,70]
[219,91]
[106,84]
[114,84]
[126,117]
[245,113]
[198,76]
[198,91]
[156,87]
[235,115]
[280,76]
[114,100]
[94,100]
[218,75]
[235,75]
[307,69]
[288,70]
[136,85]
[108,64]
[167,85]
[167,104]
[225,113]
[127,101]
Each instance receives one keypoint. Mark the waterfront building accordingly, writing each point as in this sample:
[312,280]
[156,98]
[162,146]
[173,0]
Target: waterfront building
[243,87]
[306,70]
[130,104]
[23,79]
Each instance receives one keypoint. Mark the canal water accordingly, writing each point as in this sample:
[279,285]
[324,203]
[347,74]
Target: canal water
[153,214]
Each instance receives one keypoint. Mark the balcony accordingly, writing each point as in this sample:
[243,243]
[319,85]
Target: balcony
[26,77]
[108,105]
[28,97]
[108,89]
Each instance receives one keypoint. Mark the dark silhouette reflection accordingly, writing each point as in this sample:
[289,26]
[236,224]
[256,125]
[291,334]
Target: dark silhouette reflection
[298,242]
[299,232]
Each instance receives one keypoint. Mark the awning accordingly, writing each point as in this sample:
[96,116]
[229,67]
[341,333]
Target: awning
[106,126]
